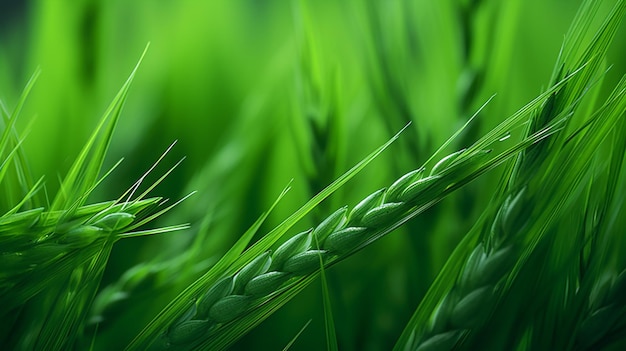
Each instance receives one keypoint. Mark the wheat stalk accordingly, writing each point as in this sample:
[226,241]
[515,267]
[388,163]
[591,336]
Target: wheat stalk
[35,242]
[472,299]
[340,234]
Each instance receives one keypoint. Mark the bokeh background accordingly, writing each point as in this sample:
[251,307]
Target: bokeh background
[261,92]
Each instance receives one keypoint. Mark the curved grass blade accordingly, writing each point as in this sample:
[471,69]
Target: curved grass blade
[86,168]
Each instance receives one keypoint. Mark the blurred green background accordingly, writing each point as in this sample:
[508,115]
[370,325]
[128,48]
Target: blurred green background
[261,92]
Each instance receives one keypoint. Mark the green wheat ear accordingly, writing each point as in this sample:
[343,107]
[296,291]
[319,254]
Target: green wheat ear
[508,250]
[53,257]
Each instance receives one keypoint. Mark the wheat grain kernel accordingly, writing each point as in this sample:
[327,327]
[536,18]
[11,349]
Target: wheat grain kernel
[220,289]
[188,331]
[417,188]
[294,245]
[266,283]
[365,205]
[229,307]
[445,162]
[493,267]
[81,236]
[470,269]
[188,315]
[512,209]
[257,266]
[305,262]
[439,321]
[470,311]
[345,239]
[399,185]
[330,224]
[381,215]
[115,221]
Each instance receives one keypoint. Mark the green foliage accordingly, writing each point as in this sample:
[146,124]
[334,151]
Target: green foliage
[492,221]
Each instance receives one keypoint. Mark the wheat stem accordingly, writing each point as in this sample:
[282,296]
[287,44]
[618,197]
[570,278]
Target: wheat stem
[340,234]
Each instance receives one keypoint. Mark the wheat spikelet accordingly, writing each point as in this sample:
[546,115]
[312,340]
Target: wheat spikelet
[469,304]
[36,242]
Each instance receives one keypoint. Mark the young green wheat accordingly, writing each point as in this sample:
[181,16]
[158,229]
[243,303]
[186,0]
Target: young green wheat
[340,234]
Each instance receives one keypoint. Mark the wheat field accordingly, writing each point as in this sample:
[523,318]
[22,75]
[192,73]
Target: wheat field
[310,175]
